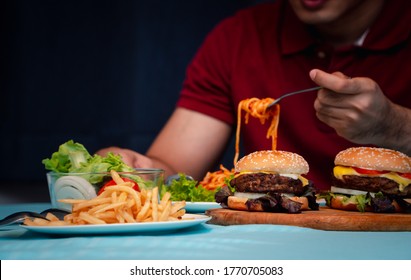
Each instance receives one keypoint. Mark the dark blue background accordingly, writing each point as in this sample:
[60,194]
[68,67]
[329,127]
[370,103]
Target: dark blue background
[99,72]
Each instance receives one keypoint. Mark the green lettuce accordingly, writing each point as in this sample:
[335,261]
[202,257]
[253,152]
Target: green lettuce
[361,200]
[188,190]
[69,156]
[73,157]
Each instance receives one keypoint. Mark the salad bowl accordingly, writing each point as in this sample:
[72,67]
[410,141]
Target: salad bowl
[88,185]
[74,173]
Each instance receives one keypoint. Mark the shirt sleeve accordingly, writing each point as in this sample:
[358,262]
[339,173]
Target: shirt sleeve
[206,88]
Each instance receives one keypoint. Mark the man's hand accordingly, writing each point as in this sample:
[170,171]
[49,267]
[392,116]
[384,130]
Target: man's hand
[356,108]
[129,157]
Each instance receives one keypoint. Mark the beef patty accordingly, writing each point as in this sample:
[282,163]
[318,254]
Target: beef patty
[267,182]
[371,184]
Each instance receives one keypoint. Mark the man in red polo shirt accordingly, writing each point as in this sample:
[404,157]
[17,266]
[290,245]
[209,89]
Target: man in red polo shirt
[275,48]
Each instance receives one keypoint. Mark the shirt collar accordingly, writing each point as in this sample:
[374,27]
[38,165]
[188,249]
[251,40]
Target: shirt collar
[391,28]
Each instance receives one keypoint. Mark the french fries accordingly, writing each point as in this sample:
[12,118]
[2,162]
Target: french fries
[52,220]
[118,204]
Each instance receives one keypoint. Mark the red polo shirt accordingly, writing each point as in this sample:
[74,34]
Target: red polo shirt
[265,51]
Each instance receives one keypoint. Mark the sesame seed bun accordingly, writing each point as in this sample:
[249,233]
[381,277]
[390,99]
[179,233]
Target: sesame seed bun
[375,159]
[273,161]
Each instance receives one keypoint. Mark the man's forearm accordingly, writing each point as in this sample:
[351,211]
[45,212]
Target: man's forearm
[396,132]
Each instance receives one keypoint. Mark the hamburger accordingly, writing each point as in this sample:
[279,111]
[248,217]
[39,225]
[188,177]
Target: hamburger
[269,181]
[370,179]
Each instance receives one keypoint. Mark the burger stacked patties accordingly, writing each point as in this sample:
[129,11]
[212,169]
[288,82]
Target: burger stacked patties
[269,181]
[370,179]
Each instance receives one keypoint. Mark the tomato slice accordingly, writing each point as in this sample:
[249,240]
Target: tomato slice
[369,171]
[405,175]
[112,183]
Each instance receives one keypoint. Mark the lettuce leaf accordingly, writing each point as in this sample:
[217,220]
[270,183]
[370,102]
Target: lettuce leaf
[360,200]
[69,156]
[188,190]
[73,157]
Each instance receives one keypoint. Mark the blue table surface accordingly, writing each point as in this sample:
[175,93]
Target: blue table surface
[204,242]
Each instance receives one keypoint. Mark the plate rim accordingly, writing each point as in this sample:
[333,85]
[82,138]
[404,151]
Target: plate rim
[121,227]
[200,206]
[202,202]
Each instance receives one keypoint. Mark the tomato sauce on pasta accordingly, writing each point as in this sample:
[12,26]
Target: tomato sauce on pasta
[257,108]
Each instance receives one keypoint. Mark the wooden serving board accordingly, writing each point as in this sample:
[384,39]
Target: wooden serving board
[324,219]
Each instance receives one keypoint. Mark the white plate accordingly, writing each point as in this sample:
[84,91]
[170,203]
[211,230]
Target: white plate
[200,207]
[188,221]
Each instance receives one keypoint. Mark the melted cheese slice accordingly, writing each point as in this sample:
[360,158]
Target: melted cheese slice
[340,171]
[303,180]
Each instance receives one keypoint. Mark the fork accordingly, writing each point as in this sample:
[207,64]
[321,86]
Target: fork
[276,101]
[18,217]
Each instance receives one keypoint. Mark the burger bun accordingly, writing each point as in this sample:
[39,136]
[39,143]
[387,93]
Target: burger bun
[379,159]
[337,202]
[281,162]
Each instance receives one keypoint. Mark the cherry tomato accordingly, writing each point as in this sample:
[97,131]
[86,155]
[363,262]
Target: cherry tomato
[112,183]
[369,171]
